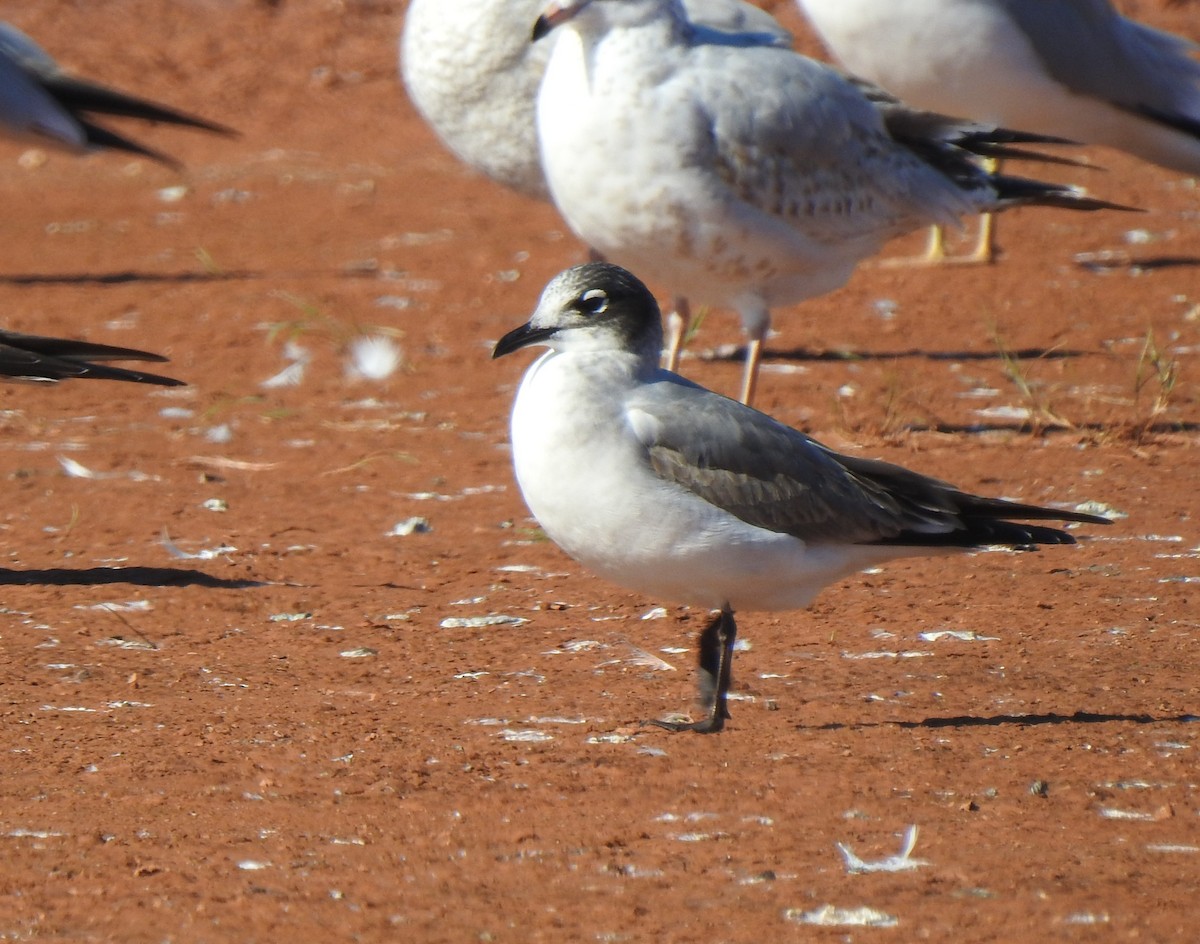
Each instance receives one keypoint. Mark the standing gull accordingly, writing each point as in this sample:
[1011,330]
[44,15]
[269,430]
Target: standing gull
[473,74]
[677,492]
[753,176]
[39,100]
[1074,68]
[41,359]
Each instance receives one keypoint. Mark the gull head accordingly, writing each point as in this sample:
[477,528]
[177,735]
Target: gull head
[615,12]
[592,307]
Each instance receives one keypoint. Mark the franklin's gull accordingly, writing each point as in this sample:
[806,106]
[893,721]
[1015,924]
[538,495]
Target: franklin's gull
[752,175]
[41,359]
[1074,68]
[39,100]
[677,492]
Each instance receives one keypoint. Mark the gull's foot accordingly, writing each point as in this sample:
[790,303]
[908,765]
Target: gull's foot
[928,261]
[710,725]
[984,252]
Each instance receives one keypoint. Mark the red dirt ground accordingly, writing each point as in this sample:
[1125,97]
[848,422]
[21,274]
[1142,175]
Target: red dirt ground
[282,738]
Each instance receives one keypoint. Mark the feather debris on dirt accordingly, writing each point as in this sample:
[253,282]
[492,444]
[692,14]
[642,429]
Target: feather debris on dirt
[133,606]
[204,554]
[902,862]
[225,463]
[77,470]
[959,635]
[479,622]
[413,525]
[373,357]
[829,916]
[292,375]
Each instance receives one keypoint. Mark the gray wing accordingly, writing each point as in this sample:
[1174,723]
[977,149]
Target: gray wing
[26,108]
[794,139]
[18,47]
[769,474]
[774,477]
[1092,50]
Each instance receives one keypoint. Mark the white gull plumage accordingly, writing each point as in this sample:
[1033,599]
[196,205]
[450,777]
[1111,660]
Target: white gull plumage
[674,491]
[1074,68]
[743,177]
[473,74]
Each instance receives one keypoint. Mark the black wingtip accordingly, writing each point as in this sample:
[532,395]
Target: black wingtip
[52,371]
[1022,190]
[81,95]
[103,372]
[1006,152]
[102,138]
[38,358]
[978,533]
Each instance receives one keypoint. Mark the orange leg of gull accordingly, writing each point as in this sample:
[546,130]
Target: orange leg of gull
[754,349]
[679,323]
[984,252]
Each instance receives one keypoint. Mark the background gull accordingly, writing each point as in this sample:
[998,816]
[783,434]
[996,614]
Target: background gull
[674,491]
[35,358]
[473,74]
[39,100]
[746,177]
[1074,68]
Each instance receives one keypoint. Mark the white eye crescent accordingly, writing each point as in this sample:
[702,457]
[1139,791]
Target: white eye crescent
[593,302]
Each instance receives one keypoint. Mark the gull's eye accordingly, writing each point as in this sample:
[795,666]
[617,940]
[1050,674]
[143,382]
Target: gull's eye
[593,302]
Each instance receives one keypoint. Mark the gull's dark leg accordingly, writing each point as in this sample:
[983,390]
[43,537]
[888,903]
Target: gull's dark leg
[716,665]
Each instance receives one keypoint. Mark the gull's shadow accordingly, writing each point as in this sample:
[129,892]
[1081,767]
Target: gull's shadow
[137,576]
[171,278]
[1046,428]
[995,721]
[121,278]
[1102,264]
[803,354]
